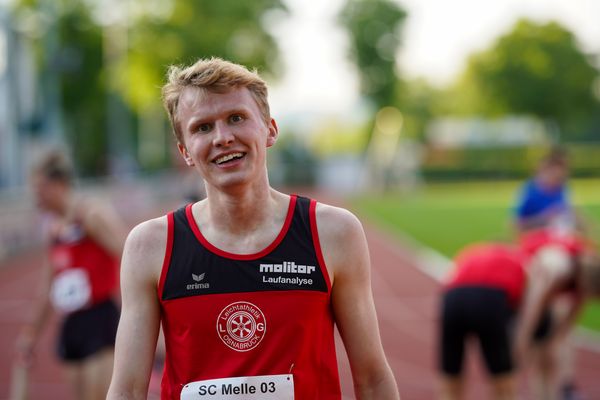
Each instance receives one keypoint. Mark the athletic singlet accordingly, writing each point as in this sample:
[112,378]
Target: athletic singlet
[84,272]
[491,265]
[532,241]
[231,315]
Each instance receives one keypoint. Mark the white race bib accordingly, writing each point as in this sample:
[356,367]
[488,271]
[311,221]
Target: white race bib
[71,290]
[265,387]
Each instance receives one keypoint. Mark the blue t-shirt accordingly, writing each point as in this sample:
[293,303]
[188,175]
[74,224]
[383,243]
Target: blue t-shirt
[536,201]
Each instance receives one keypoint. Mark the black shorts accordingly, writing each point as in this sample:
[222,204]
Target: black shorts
[85,332]
[484,313]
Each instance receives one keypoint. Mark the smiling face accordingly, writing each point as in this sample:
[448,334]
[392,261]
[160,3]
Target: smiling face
[225,136]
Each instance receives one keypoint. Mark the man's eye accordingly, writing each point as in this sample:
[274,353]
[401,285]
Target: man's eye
[236,118]
[204,127]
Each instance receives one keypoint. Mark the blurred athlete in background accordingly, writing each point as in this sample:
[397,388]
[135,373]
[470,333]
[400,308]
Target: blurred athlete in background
[544,200]
[502,295]
[545,203]
[79,279]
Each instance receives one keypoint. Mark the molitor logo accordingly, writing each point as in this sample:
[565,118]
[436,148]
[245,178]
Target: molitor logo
[241,326]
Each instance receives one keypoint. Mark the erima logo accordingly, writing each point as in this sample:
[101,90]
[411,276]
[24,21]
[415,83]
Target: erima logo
[288,267]
[198,278]
[198,285]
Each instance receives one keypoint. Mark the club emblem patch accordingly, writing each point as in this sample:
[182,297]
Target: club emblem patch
[241,326]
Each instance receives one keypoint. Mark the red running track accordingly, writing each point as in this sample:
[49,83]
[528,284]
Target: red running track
[406,301]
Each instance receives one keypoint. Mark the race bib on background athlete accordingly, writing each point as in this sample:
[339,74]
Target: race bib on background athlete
[71,290]
[265,387]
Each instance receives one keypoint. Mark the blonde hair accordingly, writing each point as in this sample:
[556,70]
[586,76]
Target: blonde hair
[215,75]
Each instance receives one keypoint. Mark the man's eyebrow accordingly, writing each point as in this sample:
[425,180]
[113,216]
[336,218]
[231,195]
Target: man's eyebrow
[198,119]
[236,110]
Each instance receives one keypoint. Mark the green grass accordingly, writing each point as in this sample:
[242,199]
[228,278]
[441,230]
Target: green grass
[448,216]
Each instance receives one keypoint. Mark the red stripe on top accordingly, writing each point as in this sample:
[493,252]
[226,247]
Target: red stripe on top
[233,256]
[168,251]
[312,212]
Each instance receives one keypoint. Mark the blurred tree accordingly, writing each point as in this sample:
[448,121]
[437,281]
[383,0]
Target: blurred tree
[375,28]
[418,101]
[534,69]
[109,59]
[188,30]
[68,45]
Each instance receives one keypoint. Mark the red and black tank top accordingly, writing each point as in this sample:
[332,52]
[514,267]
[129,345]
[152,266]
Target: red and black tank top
[85,273]
[239,315]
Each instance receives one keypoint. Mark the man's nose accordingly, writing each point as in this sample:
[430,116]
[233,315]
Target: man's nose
[223,134]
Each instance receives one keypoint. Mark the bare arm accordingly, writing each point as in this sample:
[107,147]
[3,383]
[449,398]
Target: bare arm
[105,226]
[566,321]
[547,272]
[347,257]
[140,315]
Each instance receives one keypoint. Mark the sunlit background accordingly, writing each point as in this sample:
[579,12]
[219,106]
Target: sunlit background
[467,77]
[423,114]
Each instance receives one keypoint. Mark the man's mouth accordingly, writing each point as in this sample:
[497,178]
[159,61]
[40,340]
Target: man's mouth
[228,158]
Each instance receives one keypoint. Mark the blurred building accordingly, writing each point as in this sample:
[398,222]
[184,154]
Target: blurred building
[478,132]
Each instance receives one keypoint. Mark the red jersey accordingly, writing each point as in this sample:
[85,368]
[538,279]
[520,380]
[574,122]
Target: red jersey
[85,273]
[491,265]
[228,315]
[530,242]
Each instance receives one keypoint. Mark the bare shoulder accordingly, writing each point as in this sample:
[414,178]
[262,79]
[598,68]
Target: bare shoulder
[336,223]
[146,245]
[342,240]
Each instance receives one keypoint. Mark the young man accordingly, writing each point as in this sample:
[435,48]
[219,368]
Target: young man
[248,282]
[491,284]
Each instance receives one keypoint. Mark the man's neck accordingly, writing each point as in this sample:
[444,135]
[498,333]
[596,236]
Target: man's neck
[242,211]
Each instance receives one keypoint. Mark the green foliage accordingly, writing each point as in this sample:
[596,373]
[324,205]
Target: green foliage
[291,162]
[334,137]
[503,162]
[374,27]
[534,69]
[68,47]
[228,28]
[417,101]
[109,73]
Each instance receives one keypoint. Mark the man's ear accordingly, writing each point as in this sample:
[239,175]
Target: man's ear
[273,133]
[185,154]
